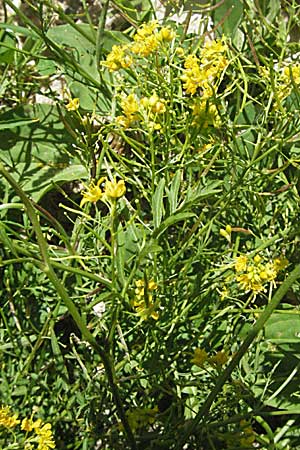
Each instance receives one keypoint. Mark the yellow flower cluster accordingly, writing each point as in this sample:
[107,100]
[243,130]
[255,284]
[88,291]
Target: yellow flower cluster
[7,419]
[143,302]
[200,357]
[130,107]
[288,76]
[73,104]
[205,114]
[254,274]
[291,74]
[112,191]
[202,73]
[141,417]
[43,433]
[118,58]
[147,40]
[147,106]
[42,436]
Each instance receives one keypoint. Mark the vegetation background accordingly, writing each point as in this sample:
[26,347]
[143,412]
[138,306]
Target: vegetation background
[149,225]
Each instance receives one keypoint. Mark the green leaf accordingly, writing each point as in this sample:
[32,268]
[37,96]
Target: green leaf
[229,14]
[173,191]
[171,221]
[34,145]
[13,123]
[157,203]
[7,49]
[283,328]
[83,50]
[19,30]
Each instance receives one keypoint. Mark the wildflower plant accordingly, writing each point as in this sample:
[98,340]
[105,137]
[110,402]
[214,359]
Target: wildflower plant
[149,226]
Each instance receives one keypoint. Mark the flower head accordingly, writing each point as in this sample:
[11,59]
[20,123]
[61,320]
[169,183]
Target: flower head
[93,192]
[200,357]
[7,419]
[202,73]
[253,274]
[145,30]
[118,58]
[143,302]
[73,104]
[44,436]
[166,34]
[114,189]
[219,359]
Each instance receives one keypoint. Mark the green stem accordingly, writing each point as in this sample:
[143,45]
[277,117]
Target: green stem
[47,268]
[100,32]
[224,376]
[114,249]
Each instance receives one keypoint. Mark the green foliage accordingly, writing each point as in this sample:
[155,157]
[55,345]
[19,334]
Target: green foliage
[149,226]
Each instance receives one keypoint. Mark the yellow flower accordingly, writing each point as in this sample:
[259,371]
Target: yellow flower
[145,47]
[45,438]
[203,73]
[144,311]
[93,193]
[211,49]
[145,30]
[114,189]
[255,276]
[206,114]
[226,233]
[241,263]
[292,74]
[200,357]
[124,121]
[118,58]
[179,51]
[219,359]
[130,105]
[7,419]
[166,34]
[73,104]
[27,424]
[144,305]
[268,272]
[154,103]
[280,263]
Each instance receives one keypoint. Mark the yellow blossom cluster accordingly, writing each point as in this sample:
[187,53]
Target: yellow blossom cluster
[42,434]
[143,302]
[148,39]
[130,108]
[202,73]
[205,114]
[253,274]
[7,419]
[112,191]
[147,107]
[200,357]
[73,104]
[287,77]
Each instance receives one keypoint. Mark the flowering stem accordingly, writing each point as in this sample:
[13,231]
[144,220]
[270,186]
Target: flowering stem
[257,327]
[46,267]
